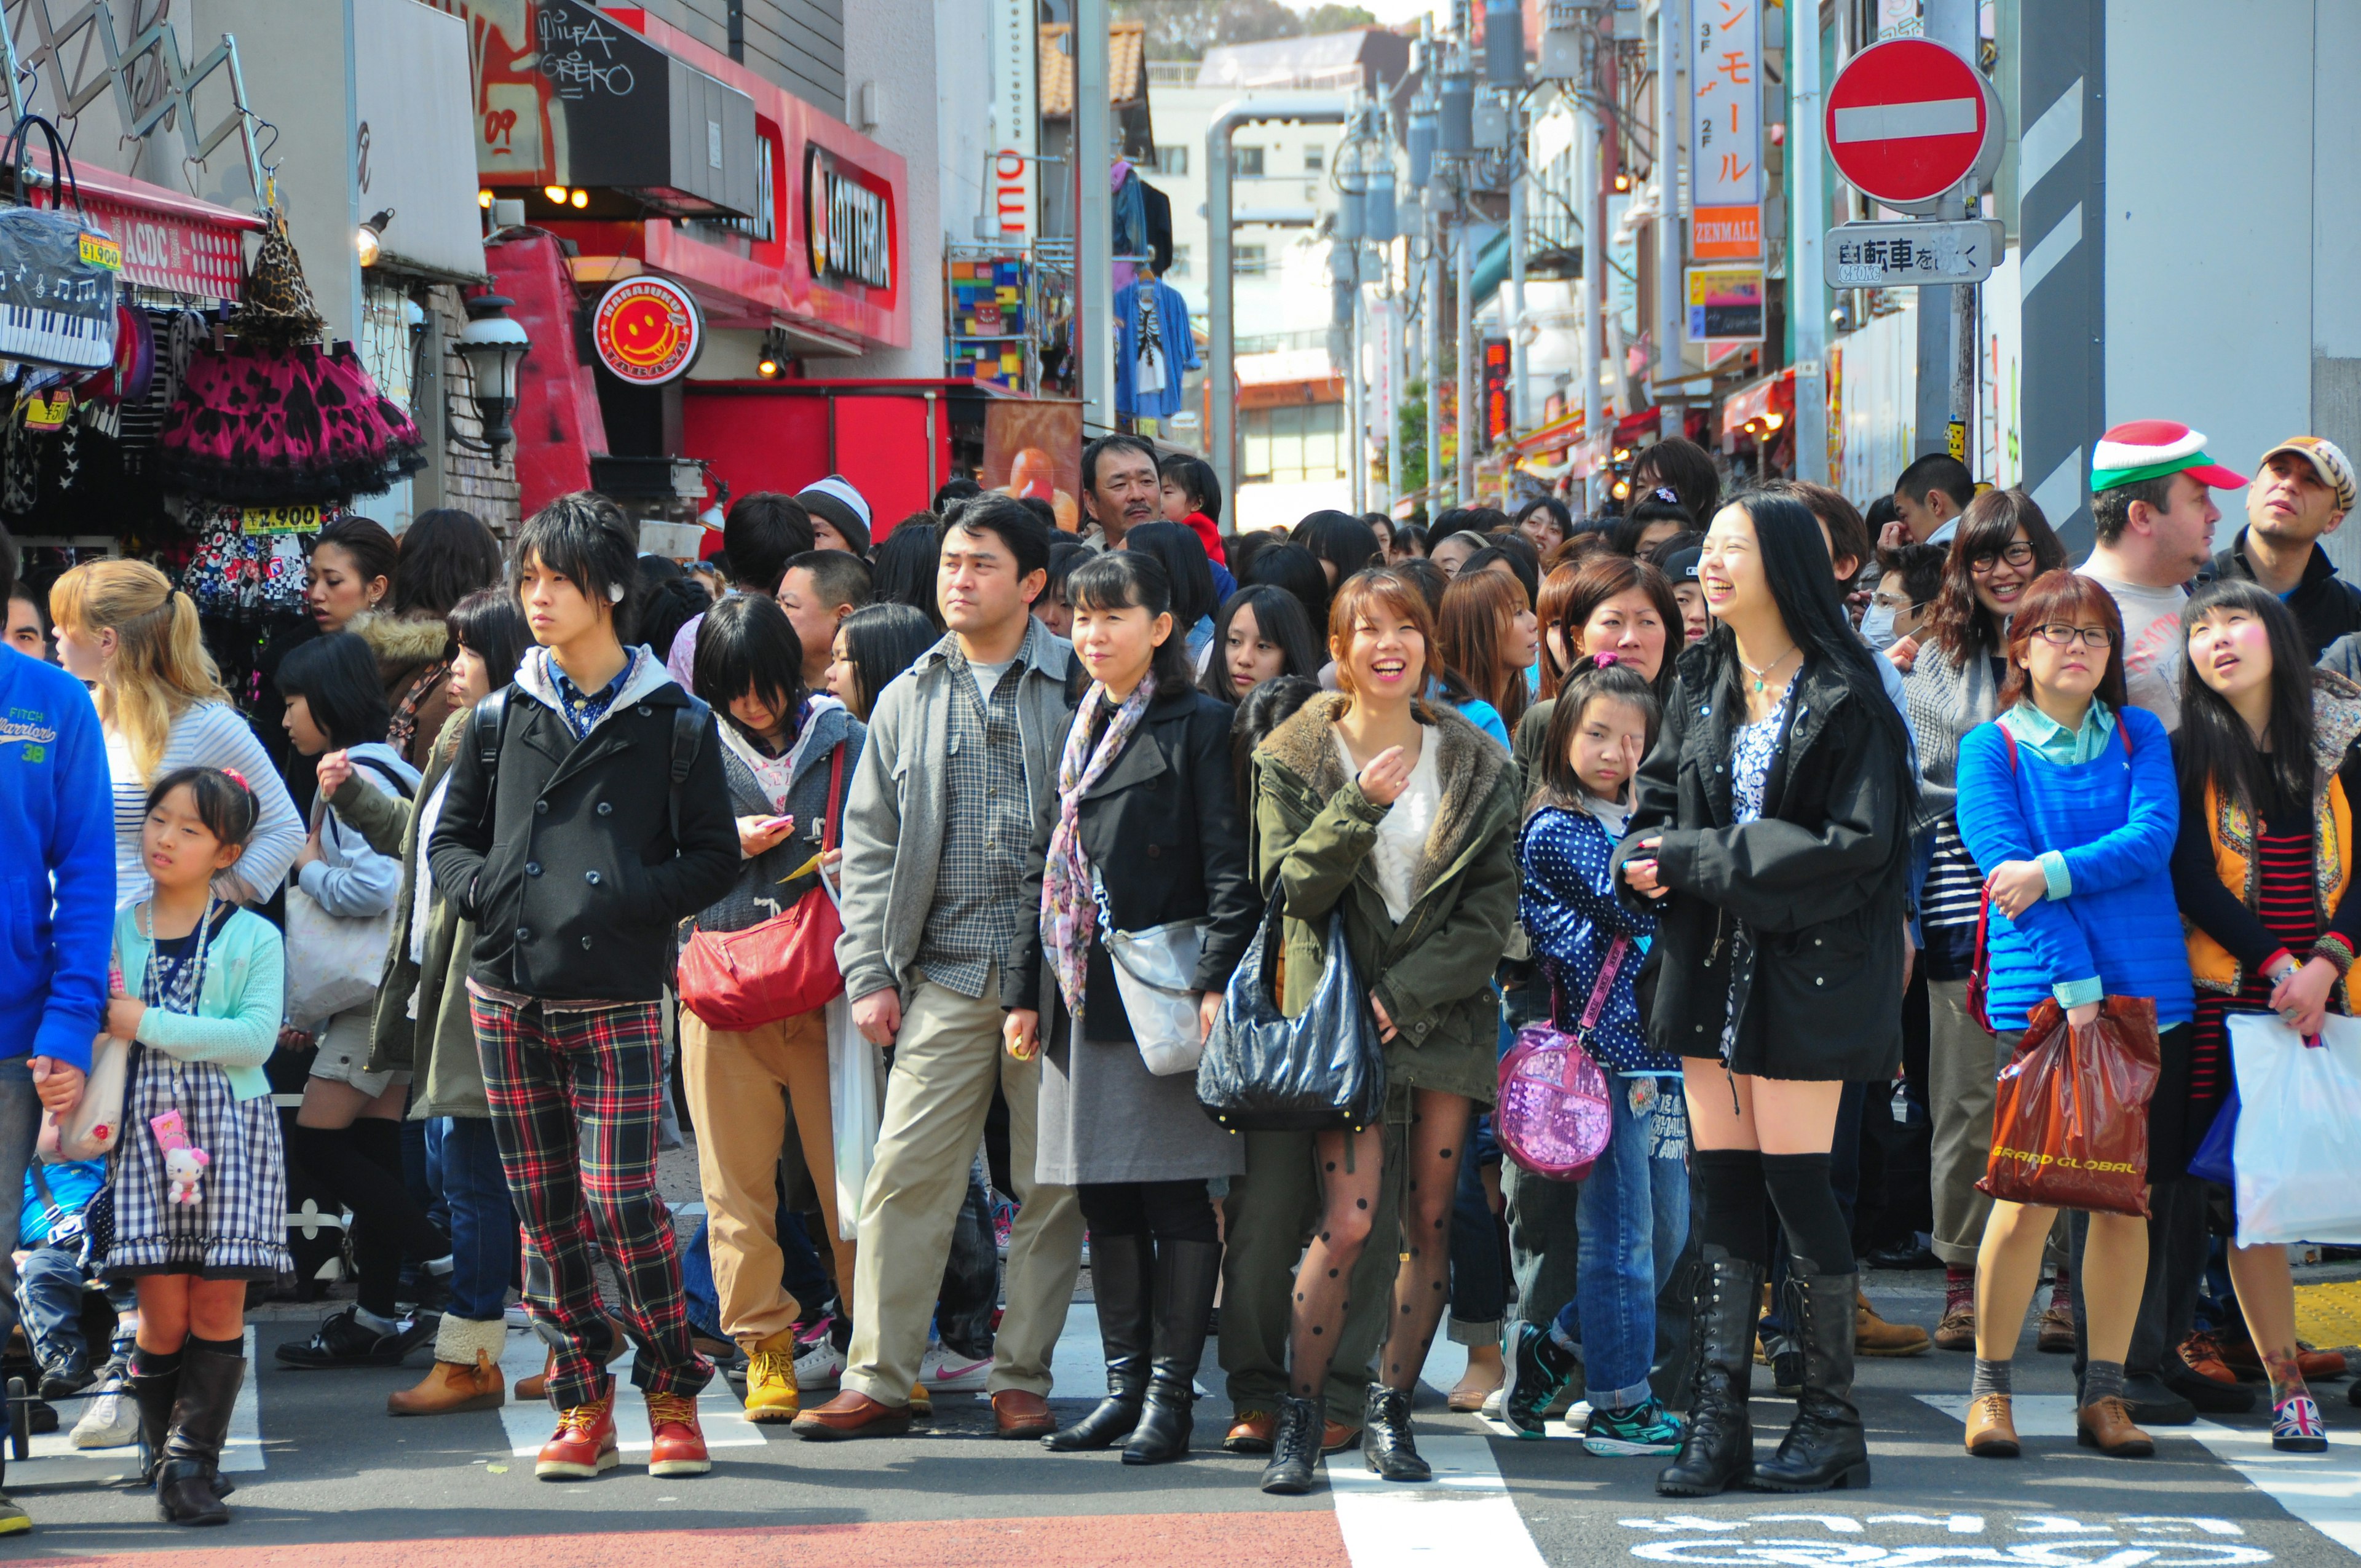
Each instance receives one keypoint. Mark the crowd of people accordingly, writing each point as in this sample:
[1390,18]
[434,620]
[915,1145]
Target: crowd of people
[914,869]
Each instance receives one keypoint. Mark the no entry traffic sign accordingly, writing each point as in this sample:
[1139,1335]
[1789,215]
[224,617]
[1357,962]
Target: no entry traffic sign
[1908,120]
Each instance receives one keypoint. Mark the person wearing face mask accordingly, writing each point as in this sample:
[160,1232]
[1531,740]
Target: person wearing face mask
[1909,580]
[2003,545]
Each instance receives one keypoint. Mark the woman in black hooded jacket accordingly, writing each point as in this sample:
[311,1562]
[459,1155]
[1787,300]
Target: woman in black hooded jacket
[1770,842]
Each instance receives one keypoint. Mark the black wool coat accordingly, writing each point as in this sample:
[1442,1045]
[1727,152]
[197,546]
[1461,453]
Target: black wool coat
[1163,831]
[562,854]
[1819,881]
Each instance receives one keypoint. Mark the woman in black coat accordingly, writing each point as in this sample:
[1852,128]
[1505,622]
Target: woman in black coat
[1147,836]
[1770,842]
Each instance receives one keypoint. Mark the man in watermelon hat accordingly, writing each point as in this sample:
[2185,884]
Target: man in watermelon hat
[2152,503]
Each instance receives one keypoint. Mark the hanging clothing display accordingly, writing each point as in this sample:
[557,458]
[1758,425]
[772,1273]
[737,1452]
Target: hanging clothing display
[1159,208]
[1151,311]
[285,427]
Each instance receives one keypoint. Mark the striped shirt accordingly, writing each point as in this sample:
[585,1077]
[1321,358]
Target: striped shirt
[205,735]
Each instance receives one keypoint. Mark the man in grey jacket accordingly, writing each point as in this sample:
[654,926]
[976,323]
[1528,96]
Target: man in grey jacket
[944,834]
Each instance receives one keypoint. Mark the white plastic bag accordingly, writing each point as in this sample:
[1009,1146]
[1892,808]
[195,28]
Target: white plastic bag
[2298,1163]
[1155,972]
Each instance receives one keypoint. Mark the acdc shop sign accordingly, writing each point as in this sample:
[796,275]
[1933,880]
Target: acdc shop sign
[848,225]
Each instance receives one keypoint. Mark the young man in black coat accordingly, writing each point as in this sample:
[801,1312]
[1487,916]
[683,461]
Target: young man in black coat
[586,815]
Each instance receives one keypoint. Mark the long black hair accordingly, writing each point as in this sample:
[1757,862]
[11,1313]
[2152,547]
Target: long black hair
[444,554]
[745,644]
[1295,570]
[1278,619]
[2213,745]
[881,640]
[1601,675]
[1958,620]
[1187,570]
[906,559]
[336,677]
[1131,578]
[1796,565]
[1340,539]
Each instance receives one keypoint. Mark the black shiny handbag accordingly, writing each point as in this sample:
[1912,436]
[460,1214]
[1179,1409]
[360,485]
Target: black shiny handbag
[1324,1067]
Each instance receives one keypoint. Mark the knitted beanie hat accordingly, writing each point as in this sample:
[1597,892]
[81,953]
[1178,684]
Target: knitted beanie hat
[2152,449]
[836,500]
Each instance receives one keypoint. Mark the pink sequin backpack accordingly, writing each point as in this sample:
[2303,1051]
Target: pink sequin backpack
[1551,1116]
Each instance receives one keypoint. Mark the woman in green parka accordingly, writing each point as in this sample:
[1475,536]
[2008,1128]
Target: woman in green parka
[1401,816]
[422,1025]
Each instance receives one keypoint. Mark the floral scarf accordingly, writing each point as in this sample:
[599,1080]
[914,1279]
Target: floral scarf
[1069,912]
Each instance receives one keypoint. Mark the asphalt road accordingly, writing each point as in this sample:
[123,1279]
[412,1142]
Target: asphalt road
[326,1479]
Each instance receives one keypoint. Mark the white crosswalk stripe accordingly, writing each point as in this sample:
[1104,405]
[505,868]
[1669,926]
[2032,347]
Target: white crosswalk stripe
[719,1411]
[56,1462]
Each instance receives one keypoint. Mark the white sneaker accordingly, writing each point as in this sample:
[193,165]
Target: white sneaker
[111,1422]
[821,1366]
[944,1371]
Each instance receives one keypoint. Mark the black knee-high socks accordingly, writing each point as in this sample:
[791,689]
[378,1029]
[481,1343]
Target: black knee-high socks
[362,1166]
[1735,1183]
[1817,1234]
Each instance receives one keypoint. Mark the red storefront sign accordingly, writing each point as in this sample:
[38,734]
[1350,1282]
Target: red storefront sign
[1497,413]
[170,241]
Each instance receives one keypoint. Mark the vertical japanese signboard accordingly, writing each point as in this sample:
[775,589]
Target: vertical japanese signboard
[1015,114]
[1497,419]
[1726,101]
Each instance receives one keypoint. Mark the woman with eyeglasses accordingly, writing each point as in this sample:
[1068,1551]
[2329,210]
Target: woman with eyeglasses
[2069,799]
[2002,546]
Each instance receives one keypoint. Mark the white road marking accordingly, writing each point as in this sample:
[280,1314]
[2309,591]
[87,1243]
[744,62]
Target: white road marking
[1464,1515]
[55,1461]
[721,1414]
[2323,1490]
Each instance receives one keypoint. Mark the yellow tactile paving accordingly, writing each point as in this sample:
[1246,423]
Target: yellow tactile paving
[2328,1315]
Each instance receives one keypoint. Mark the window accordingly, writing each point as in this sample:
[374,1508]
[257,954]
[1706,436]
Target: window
[1179,267]
[1245,260]
[1312,160]
[1246,162]
[1295,444]
[1173,159]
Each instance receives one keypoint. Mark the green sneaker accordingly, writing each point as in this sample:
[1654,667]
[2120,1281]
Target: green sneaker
[1644,1429]
[14,1520]
[1538,1370]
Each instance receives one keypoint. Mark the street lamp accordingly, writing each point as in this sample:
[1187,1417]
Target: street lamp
[494,348]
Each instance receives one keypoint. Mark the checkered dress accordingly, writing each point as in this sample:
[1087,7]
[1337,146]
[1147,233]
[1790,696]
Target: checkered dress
[238,1229]
[987,837]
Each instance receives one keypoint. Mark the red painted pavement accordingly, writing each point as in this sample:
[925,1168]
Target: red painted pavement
[1300,1539]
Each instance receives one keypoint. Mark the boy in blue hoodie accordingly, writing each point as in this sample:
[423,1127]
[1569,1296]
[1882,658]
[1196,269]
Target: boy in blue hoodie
[56,801]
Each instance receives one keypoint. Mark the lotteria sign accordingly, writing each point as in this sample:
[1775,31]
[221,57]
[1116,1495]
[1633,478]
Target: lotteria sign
[848,222]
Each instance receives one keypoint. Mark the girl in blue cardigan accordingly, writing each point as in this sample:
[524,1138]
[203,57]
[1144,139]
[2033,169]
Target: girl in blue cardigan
[2067,801]
[198,1179]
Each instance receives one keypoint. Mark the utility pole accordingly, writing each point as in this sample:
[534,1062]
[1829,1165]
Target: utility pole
[1587,183]
[1471,416]
[1430,347]
[1095,220]
[1672,104]
[1519,416]
[1806,295]
[1953,22]
[1357,383]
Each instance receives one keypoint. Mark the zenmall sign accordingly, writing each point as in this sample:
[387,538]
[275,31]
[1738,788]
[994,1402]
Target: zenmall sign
[848,223]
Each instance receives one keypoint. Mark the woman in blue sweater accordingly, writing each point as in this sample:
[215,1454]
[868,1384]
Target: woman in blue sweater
[2068,800]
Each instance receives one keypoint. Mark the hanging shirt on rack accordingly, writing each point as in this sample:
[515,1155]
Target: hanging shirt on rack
[1130,222]
[1168,313]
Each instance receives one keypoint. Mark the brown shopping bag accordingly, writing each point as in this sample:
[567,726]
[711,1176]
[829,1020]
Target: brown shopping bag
[2070,1127]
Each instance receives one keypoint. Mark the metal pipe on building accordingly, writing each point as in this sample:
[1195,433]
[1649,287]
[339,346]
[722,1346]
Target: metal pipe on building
[1357,382]
[1094,218]
[1808,311]
[1587,167]
[1471,414]
[1432,348]
[1221,303]
[1520,171]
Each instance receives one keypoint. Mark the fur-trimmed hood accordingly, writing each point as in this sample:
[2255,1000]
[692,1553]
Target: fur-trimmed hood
[401,642]
[1470,765]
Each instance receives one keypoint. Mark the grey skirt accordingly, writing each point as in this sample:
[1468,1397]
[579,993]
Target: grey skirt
[1105,1118]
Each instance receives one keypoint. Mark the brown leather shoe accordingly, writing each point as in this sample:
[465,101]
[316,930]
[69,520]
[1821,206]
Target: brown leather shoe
[1991,1434]
[448,1388]
[1873,1335]
[1251,1433]
[2203,1355]
[851,1415]
[2054,1335]
[2107,1427]
[534,1390]
[1958,1329]
[1337,1437]
[1021,1414]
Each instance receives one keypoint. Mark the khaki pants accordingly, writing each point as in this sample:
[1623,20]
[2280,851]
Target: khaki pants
[740,1091]
[945,1062]
[1964,1067]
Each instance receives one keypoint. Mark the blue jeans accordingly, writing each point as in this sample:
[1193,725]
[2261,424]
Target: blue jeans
[464,1166]
[49,1291]
[1632,1218]
[1480,1285]
[20,1128]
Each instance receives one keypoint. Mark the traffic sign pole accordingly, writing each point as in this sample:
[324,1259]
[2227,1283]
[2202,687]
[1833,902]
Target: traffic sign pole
[1953,24]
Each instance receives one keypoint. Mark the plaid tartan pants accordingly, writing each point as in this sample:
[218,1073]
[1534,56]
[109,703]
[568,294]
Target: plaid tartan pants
[552,1078]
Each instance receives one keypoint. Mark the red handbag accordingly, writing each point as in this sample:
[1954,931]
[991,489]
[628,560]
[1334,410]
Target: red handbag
[738,981]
